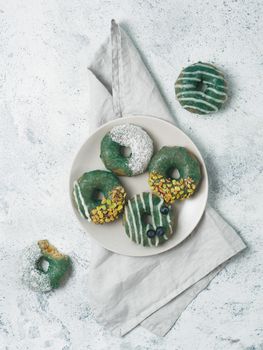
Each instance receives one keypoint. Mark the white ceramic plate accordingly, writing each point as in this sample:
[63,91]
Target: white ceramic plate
[112,236]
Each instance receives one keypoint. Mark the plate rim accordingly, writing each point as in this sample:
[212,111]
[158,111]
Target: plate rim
[129,116]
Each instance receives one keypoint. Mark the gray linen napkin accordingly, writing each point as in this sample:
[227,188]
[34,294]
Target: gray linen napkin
[151,291]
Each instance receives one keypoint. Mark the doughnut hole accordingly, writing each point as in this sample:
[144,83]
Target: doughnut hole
[201,86]
[147,219]
[43,264]
[126,152]
[97,195]
[173,173]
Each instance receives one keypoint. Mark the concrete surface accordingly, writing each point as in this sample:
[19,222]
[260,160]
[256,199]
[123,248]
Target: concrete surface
[45,49]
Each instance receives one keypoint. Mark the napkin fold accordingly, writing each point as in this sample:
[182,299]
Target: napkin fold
[152,291]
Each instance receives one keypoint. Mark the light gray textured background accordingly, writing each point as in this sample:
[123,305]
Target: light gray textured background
[45,47]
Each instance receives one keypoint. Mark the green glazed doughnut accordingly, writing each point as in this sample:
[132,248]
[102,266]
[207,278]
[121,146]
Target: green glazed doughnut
[161,167]
[136,227]
[33,274]
[126,135]
[99,211]
[201,88]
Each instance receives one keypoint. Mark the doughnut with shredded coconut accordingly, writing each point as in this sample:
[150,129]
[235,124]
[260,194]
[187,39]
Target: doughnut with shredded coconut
[133,137]
[34,274]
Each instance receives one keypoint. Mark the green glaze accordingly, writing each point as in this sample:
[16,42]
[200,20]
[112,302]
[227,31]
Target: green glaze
[135,226]
[112,157]
[170,158]
[207,100]
[56,269]
[58,265]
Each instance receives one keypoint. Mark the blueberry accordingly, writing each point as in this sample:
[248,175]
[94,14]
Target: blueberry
[151,233]
[164,210]
[160,231]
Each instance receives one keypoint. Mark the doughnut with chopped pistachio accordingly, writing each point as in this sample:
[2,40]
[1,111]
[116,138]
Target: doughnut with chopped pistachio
[201,88]
[90,206]
[34,273]
[138,229]
[163,163]
[115,141]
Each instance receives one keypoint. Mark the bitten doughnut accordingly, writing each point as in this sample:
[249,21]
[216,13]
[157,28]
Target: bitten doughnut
[137,228]
[89,206]
[161,167]
[33,273]
[201,88]
[126,135]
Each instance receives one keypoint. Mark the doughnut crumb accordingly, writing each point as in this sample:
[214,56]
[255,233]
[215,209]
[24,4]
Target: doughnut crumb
[49,249]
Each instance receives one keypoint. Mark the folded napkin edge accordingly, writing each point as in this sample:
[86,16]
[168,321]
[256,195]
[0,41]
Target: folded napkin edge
[121,330]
